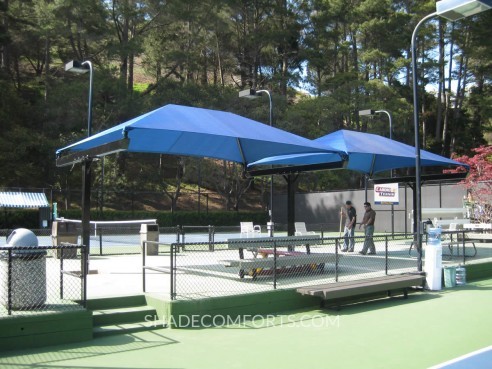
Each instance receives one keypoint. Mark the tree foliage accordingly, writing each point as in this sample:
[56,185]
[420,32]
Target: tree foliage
[479,180]
[349,56]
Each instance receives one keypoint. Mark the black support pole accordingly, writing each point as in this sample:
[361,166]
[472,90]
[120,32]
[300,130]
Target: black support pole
[417,237]
[291,202]
[86,214]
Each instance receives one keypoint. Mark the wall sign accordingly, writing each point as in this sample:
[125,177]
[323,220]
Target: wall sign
[386,194]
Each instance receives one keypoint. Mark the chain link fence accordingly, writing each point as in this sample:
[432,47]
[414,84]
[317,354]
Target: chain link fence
[201,262]
[41,279]
[125,238]
[121,240]
[195,270]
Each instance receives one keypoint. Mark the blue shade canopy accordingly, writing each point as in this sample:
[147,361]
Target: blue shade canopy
[188,131]
[367,153]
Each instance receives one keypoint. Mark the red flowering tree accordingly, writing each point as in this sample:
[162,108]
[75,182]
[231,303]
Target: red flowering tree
[479,181]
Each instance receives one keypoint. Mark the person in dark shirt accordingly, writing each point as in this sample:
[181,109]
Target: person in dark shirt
[350,215]
[368,223]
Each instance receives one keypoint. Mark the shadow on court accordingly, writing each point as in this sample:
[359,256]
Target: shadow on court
[100,348]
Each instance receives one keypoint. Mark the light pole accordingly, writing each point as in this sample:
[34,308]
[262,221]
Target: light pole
[451,10]
[75,66]
[390,121]
[370,112]
[252,94]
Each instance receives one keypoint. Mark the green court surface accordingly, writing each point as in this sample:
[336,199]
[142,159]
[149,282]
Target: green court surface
[425,330]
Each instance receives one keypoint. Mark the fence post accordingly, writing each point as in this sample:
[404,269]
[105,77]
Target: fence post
[144,251]
[173,274]
[172,271]
[274,265]
[100,241]
[61,273]
[386,253]
[337,240]
[464,249]
[210,238]
[9,283]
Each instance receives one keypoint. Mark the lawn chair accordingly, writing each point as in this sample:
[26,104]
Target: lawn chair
[301,229]
[250,230]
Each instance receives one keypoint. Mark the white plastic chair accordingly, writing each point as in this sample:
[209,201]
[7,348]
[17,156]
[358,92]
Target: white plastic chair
[301,229]
[250,230]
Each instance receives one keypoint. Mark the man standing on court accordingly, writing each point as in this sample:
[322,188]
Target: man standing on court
[350,215]
[368,223]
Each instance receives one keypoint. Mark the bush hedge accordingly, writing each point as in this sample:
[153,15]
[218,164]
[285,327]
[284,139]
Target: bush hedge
[169,219]
[30,218]
[26,218]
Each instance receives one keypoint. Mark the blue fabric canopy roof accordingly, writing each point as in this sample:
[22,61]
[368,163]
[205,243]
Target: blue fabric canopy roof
[188,131]
[367,153]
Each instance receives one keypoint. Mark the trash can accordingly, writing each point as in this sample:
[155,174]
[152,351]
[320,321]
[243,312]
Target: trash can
[149,232]
[449,276]
[28,272]
[460,276]
[433,259]
[64,232]
[270,228]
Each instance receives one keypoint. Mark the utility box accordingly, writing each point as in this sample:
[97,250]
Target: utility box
[26,287]
[64,232]
[149,232]
[44,217]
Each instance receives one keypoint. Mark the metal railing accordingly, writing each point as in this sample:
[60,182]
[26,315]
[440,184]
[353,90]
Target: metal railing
[239,266]
[111,240]
[125,240]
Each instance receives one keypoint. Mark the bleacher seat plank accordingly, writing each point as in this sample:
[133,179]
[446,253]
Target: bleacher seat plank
[364,286]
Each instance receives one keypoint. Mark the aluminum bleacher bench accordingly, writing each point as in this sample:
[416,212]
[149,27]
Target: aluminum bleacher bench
[341,290]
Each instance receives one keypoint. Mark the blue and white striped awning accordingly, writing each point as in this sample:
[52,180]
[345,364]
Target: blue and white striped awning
[23,200]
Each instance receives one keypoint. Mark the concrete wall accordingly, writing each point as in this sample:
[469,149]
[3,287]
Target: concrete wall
[19,332]
[323,207]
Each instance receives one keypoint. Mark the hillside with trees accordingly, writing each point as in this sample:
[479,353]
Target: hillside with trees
[323,61]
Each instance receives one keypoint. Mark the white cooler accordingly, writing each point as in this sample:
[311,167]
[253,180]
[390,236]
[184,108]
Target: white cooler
[433,260]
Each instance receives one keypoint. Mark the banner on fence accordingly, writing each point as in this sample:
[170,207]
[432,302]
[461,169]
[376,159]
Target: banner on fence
[386,194]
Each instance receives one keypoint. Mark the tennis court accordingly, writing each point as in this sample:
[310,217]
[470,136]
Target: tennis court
[477,359]
[426,330]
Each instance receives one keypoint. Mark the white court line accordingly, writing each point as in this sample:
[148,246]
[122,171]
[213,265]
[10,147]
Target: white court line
[464,357]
